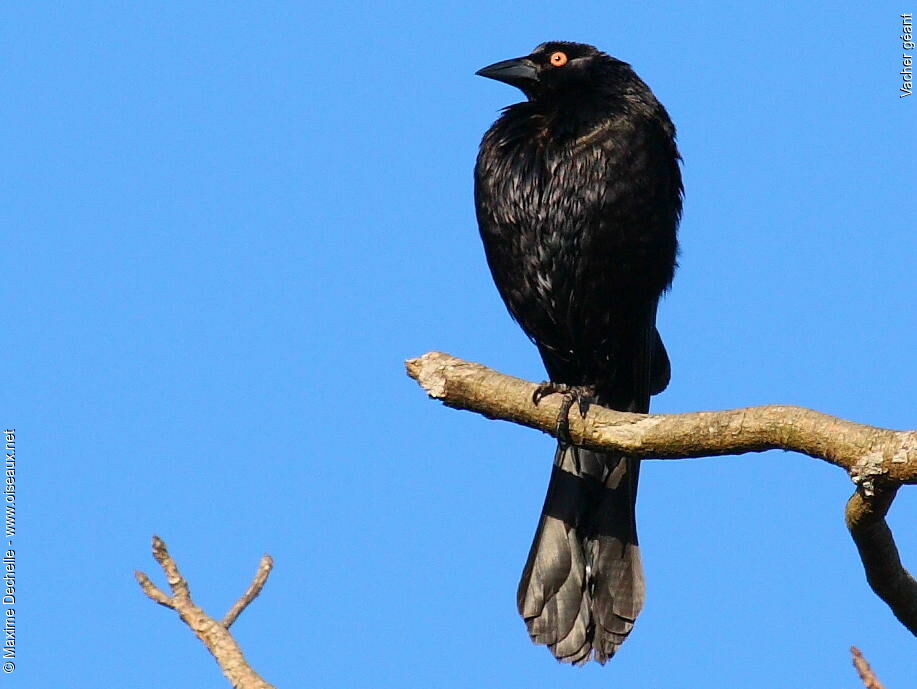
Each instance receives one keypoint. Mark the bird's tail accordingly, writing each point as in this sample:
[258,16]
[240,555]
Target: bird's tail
[582,587]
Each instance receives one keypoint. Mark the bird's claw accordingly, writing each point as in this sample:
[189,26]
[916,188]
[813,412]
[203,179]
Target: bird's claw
[581,394]
[547,388]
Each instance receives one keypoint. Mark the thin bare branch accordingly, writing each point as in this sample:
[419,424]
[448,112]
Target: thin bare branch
[264,571]
[869,678]
[180,589]
[214,634]
[865,517]
[152,591]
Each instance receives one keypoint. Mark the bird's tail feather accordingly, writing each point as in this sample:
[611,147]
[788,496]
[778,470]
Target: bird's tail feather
[582,586]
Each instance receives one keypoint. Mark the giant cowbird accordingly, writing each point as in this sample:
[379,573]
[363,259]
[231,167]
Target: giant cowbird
[578,195]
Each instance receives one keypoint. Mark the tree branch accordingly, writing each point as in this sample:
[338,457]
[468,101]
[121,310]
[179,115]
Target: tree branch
[878,460]
[870,681]
[886,575]
[215,635]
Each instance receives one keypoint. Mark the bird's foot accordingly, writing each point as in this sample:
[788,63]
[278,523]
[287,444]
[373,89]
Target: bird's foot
[583,395]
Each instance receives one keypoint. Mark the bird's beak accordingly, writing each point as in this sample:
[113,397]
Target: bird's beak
[516,72]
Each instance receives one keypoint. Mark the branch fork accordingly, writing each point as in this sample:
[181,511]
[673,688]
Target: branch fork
[215,634]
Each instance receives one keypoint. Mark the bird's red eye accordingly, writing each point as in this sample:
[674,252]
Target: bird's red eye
[558,59]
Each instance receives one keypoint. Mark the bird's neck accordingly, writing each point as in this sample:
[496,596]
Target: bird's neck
[580,117]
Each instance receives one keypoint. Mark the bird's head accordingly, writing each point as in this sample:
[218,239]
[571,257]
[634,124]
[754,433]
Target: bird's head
[553,69]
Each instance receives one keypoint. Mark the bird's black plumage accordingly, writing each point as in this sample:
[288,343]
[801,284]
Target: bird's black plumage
[578,195]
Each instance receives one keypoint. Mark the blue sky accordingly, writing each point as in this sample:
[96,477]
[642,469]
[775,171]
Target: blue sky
[226,225]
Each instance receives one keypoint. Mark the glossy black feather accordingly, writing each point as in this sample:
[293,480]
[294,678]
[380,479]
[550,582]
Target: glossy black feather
[578,197]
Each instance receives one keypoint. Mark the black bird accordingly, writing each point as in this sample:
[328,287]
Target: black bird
[578,195]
